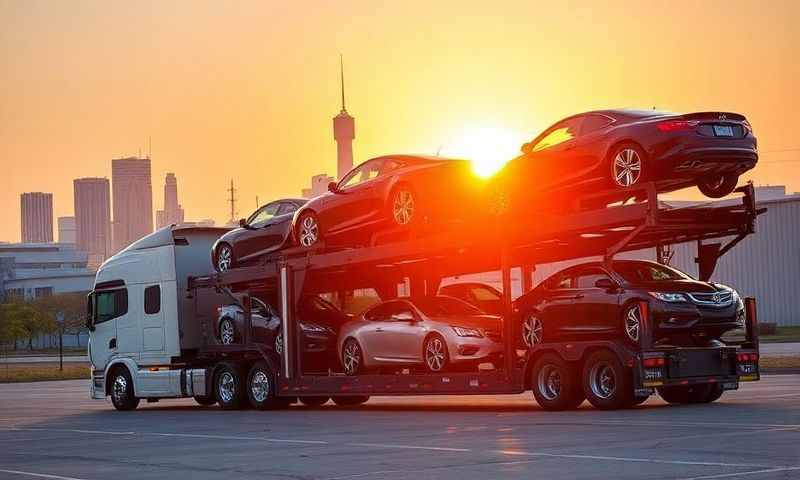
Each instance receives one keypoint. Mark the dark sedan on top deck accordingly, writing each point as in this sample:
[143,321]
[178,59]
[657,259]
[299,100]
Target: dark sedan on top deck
[265,231]
[618,150]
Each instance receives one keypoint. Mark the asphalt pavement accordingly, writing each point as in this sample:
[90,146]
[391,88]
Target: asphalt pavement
[53,430]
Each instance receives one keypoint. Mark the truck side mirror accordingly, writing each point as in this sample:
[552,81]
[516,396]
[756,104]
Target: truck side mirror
[333,187]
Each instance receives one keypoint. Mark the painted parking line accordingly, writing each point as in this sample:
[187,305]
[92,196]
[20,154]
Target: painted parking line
[38,475]
[409,447]
[232,437]
[744,474]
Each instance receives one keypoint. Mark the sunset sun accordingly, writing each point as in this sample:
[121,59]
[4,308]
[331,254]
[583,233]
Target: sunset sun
[489,147]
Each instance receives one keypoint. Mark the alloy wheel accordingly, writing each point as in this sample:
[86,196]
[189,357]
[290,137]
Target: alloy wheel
[279,344]
[351,358]
[259,386]
[224,257]
[227,386]
[633,321]
[435,354]
[602,380]
[549,382]
[227,333]
[532,330]
[627,167]
[403,207]
[309,231]
[120,388]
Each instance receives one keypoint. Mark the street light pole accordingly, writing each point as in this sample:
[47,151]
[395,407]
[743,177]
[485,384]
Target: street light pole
[60,321]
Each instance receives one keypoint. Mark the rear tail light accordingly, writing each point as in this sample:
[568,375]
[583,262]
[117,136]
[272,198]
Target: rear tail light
[676,125]
[653,362]
[747,357]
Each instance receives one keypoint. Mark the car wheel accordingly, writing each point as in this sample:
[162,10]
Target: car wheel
[205,400]
[632,318]
[352,357]
[350,400]
[279,343]
[261,389]
[314,401]
[701,393]
[718,186]
[555,384]
[607,384]
[308,231]
[404,206]
[227,332]
[224,259]
[532,330]
[228,386]
[435,353]
[627,164]
[122,393]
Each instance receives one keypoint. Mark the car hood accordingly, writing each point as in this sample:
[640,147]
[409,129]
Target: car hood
[686,286]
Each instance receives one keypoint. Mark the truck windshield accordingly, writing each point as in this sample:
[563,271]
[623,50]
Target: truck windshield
[447,306]
[637,272]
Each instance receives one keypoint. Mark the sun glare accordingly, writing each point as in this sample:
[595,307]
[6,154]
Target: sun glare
[488,147]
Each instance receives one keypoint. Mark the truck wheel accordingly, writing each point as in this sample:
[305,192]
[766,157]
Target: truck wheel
[701,393]
[314,401]
[607,384]
[350,400]
[228,386]
[261,389]
[554,384]
[205,400]
[122,394]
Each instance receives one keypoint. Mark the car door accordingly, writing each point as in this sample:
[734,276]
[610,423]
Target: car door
[588,154]
[555,155]
[595,311]
[255,238]
[402,334]
[556,305]
[273,233]
[354,199]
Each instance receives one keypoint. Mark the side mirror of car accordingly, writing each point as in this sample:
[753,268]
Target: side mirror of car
[605,284]
[333,187]
[403,317]
[242,223]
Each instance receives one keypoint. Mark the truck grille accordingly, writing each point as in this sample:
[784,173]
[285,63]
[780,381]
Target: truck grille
[716,299]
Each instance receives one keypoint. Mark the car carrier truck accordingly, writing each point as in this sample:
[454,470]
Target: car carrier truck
[152,313]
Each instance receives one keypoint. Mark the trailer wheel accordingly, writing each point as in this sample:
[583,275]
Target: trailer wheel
[122,394]
[228,386]
[314,401]
[701,393]
[554,384]
[607,384]
[261,389]
[205,400]
[350,400]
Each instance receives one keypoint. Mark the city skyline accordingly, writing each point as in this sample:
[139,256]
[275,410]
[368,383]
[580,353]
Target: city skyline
[478,85]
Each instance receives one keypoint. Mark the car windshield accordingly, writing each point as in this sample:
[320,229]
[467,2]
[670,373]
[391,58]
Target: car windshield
[442,305]
[636,272]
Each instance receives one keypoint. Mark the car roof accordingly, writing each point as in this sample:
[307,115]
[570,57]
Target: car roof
[409,158]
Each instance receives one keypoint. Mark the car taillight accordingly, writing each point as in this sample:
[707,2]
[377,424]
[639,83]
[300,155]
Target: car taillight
[653,362]
[676,125]
[747,357]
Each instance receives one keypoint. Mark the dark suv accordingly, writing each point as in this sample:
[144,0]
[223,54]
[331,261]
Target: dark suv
[593,301]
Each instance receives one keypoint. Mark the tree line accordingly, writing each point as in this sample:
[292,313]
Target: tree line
[24,320]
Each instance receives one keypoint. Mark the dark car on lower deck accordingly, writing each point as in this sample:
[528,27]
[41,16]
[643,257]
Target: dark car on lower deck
[595,301]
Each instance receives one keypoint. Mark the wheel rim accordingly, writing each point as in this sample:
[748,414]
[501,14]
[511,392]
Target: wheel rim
[715,182]
[259,386]
[279,344]
[602,380]
[627,167]
[435,354]
[352,358]
[549,382]
[224,259]
[309,231]
[403,208]
[120,388]
[532,330]
[227,386]
[632,323]
[226,332]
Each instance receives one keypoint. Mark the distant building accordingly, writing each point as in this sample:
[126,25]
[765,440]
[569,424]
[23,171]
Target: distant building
[66,230]
[344,131]
[133,200]
[319,185]
[30,270]
[92,198]
[36,212]
[172,213]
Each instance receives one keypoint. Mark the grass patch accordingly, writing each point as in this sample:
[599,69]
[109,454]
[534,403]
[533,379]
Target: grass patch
[779,362]
[38,372]
[782,335]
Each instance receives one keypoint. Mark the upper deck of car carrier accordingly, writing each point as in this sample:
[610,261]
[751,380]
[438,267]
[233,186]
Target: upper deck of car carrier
[423,258]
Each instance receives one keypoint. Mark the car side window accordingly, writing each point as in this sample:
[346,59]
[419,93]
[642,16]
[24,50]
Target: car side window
[483,294]
[264,215]
[587,278]
[560,281]
[559,133]
[593,122]
[389,165]
[399,308]
[286,208]
[364,173]
[152,299]
[378,313]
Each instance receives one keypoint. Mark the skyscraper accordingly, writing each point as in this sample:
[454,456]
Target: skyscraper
[344,131]
[133,200]
[36,212]
[93,218]
[172,213]
[66,230]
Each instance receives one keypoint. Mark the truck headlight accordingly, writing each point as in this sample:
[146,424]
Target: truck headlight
[669,297]
[467,332]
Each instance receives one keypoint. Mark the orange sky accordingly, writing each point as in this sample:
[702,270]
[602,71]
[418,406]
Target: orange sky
[248,91]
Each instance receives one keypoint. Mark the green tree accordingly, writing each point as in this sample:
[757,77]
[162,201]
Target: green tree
[71,305]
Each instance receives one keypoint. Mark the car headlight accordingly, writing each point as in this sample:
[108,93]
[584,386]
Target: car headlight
[311,328]
[467,332]
[669,297]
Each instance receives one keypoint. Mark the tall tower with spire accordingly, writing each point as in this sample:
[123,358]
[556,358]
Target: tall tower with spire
[344,131]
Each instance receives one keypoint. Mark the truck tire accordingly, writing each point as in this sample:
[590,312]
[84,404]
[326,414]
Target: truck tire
[261,389]
[122,394]
[350,400]
[700,393]
[607,384]
[314,401]
[229,386]
[555,384]
[205,400]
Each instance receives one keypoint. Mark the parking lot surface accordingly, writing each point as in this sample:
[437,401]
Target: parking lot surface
[53,430]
